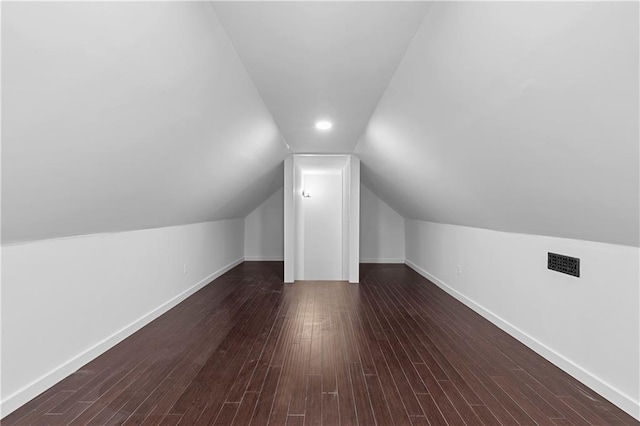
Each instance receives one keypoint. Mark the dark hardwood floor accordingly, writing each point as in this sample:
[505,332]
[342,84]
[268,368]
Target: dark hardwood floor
[248,349]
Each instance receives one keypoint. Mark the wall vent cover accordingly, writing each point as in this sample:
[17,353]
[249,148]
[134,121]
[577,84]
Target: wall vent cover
[565,264]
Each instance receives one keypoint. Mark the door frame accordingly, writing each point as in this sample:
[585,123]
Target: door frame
[294,167]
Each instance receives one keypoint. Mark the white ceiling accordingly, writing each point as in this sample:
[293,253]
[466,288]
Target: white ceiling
[314,60]
[515,116]
[120,116]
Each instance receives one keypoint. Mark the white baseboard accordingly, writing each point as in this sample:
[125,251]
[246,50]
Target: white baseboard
[27,393]
[264,259]
[612,394]
[281,259]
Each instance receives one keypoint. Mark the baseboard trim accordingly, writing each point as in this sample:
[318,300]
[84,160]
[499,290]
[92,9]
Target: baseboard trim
[623,401]
[27,393]
[264,259]
[383,260]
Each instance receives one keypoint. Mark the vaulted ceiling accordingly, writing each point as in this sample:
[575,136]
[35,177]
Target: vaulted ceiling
[516,116]
[121,116]
[315,60]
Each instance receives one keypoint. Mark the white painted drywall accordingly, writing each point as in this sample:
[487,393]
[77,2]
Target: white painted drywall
[381,230]
[515,116]
[264,230]
[66,301]
[588,326]
[127,115]
[321,60]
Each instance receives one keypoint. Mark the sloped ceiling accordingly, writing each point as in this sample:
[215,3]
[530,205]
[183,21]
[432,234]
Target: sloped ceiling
[120,116]
[514,116]
[315,60]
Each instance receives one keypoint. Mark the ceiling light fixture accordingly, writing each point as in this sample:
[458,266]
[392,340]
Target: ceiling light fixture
[323,125]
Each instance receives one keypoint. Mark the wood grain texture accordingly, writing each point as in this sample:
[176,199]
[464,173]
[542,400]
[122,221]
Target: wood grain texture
[248,349]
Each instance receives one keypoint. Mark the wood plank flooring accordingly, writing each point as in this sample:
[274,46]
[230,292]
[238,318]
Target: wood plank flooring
[248,349]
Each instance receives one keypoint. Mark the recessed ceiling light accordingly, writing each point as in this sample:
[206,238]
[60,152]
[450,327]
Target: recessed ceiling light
[323,125]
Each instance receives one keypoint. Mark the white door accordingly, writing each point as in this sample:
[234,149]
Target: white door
[322,226]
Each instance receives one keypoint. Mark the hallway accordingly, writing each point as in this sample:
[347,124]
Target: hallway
[248,349]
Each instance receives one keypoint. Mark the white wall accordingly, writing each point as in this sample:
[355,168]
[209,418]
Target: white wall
[588,326]
[381,230]
[264,230]
[65,301]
